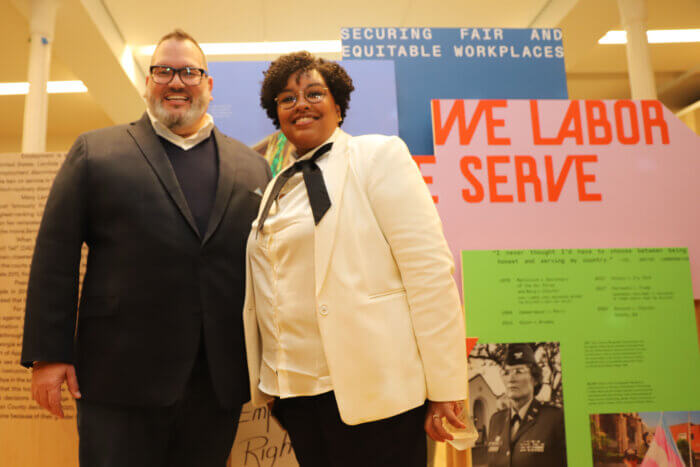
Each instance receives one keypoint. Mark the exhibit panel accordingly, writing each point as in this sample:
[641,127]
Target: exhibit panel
[547,174]
[459,63]
[25,180]
[613,332]
[237,112]
[511,174]
[261,441]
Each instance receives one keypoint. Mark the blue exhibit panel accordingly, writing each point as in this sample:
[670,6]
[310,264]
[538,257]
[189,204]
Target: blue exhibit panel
[456,63]
[237,112]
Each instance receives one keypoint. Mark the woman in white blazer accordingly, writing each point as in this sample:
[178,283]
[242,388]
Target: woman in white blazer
[352,318]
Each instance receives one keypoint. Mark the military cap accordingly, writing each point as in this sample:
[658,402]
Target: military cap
[518,354]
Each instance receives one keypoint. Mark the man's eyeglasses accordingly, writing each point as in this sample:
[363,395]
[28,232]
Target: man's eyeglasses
[188,75]
[313,94]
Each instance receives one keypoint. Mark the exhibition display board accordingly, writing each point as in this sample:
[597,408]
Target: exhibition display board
[612,329]
[25,180]
[372,110]
[511,174]
[459,63]
[261,441]
[237,112]
[556,177]
[396,71]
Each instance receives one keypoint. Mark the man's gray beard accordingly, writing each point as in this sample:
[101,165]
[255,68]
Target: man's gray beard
[176,121]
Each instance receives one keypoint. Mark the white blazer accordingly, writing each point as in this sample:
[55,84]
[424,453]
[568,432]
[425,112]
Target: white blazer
[388,309]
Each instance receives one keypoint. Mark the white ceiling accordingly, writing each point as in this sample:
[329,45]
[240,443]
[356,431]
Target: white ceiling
[87,31]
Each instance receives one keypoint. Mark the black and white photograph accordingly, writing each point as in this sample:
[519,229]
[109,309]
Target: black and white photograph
[516,400]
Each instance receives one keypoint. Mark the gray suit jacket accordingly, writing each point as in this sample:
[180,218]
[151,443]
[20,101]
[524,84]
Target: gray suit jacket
[154,286]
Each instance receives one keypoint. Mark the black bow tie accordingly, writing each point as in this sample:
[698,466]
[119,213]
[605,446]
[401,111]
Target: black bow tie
[315,186]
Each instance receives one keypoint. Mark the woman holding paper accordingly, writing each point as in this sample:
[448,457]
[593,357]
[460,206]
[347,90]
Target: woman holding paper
[352,318]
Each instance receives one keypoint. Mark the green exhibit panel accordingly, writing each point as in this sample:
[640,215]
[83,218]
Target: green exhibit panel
[613,329]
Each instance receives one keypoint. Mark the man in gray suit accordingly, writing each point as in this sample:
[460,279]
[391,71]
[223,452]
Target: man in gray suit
[164,204]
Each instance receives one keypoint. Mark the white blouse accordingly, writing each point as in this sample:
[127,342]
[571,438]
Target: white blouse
[282,261]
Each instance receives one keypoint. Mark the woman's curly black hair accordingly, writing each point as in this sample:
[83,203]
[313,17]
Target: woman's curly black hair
[337,80]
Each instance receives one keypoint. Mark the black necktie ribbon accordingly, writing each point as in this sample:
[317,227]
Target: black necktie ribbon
[315,186]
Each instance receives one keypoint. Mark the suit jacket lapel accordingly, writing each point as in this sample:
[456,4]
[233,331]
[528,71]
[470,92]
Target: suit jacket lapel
[224,186]
[334,176]
[152,149]
[265,196]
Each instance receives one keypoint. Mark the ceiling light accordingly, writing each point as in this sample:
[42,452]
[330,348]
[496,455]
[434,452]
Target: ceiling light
[655,36]
[615,37]
[59,87]
[13,89]
[260,48]
[52,87]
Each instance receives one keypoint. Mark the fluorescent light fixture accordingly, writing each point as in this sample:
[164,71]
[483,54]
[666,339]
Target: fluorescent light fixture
[260,48]
[61,87]
[615,37]
[52,87]
[13,89]
[127,63]
[655,36]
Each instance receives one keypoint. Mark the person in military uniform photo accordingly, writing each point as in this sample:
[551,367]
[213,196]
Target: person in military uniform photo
[528,433]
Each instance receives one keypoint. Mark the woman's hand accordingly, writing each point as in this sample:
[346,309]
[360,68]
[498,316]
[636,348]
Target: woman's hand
[433,419]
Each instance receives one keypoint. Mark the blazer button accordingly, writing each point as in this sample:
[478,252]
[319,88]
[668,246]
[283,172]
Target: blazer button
[323,310]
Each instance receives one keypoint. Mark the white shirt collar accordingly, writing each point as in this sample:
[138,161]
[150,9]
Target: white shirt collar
[310,153]
[523,410]
[184,143]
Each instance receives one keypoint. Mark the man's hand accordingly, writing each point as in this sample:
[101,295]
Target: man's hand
[433,419]
[47,379]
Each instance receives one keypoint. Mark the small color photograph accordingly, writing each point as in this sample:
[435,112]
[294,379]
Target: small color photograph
[646,439]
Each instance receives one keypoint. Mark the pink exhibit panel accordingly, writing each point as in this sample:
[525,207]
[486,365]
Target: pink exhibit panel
[538,174]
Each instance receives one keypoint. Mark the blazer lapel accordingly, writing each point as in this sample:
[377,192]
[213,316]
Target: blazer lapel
[334,176]
[224,186]
[265,196]
[152,149]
